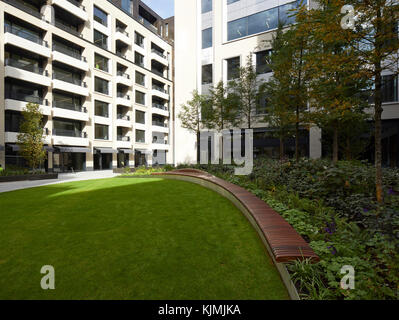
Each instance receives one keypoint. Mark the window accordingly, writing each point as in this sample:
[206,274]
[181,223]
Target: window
[100,16]
[67,76]
[285,13]
[389,88]
[263,21]
[206,6]
[101,132]
[237,29]
[166,29]
[13,120]
[140,117]
[100,62]
[207,38]
[262,106]
[231,1]
[139,59]
[101,85]
[101,109]
[66,101]
[67,128]
[100,40]
[262,62]
[233,68]
[207,76]
[140,78]
[139,39]
[140,136]
[127,6]
[140,97]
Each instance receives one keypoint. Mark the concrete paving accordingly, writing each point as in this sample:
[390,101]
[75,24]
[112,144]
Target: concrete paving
[62,177]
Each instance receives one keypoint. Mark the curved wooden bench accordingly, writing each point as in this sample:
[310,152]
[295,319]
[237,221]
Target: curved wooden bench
[283,241]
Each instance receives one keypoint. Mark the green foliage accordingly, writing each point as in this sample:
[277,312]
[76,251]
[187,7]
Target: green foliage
[30,139]
[144,171]
[13,171]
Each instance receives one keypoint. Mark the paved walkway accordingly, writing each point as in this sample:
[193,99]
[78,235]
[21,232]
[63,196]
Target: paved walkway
[62,177]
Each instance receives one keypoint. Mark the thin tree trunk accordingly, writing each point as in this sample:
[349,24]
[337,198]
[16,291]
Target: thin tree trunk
[335,144]
[377,118]
[198,147]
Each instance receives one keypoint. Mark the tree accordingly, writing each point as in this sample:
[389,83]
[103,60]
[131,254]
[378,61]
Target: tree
[280,108]
[193,115]
[30,140]
[247,88]
[335,82]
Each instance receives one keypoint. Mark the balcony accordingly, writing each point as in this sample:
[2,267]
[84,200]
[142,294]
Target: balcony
[22,6]
[25,40]
[123,100]
[160,92]
[148,24]
[72,7]
[70,138]
[159,56]
[123,78]
[70,85]
[123,121]
[122,36]
[12,137]
[158,72]
[69,57]
[67,28]
[18,103]
[160,109]
[26,72]
[69,111]
[159,126]
[123,142]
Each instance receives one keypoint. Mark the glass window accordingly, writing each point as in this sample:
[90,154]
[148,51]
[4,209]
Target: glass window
[263,21]
[100,40]
[207,38]
[101,62]
[101,132]
[207,76]
[140,97]
[67,128]
[101,85]
[140,136]
[65,101]
[139,59]
[100,16]
[101,109]
[237,28]
[389,88]
[233,68]
[285,13]
[140,117]
[127,6]
[231,1]
[262,62]
[140,78]
[139,39]
[206,6]
[67,76]
[13,120]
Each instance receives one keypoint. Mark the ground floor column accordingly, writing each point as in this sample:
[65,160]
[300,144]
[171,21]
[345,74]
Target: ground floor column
[50,166]
[131,160]
[315,151]
[89,161]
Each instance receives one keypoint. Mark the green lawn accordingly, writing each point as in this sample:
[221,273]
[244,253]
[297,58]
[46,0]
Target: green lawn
[131,239]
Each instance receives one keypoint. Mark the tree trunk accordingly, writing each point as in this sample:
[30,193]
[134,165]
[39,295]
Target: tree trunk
[198,147]
[281,148]
[377,119]
[335,144]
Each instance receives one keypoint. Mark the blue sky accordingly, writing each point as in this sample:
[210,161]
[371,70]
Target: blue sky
[165,8]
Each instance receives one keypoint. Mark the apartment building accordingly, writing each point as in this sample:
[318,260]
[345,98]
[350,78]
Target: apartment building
[214,38]
[101,72]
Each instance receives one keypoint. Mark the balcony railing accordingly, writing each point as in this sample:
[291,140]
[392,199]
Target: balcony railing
[122,117]
[122,74]
[28,98]
[123,138]
[68,52]
[69,133]
[122,95]
[148,24]
[26,35]
[160,106]
[120,54]
[118,29]
[68,106]
[158,88]
[158,72]
[77,4]
[159,124]
[160,141]
[158,53]
[20,5]
[27,67]
[67,28]
[68,79]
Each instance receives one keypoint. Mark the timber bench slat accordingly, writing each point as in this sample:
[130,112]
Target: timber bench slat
[284,241]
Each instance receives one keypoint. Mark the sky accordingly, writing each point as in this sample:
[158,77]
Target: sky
[165,8]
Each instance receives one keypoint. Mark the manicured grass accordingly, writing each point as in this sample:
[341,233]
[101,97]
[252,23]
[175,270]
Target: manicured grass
[131,239]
